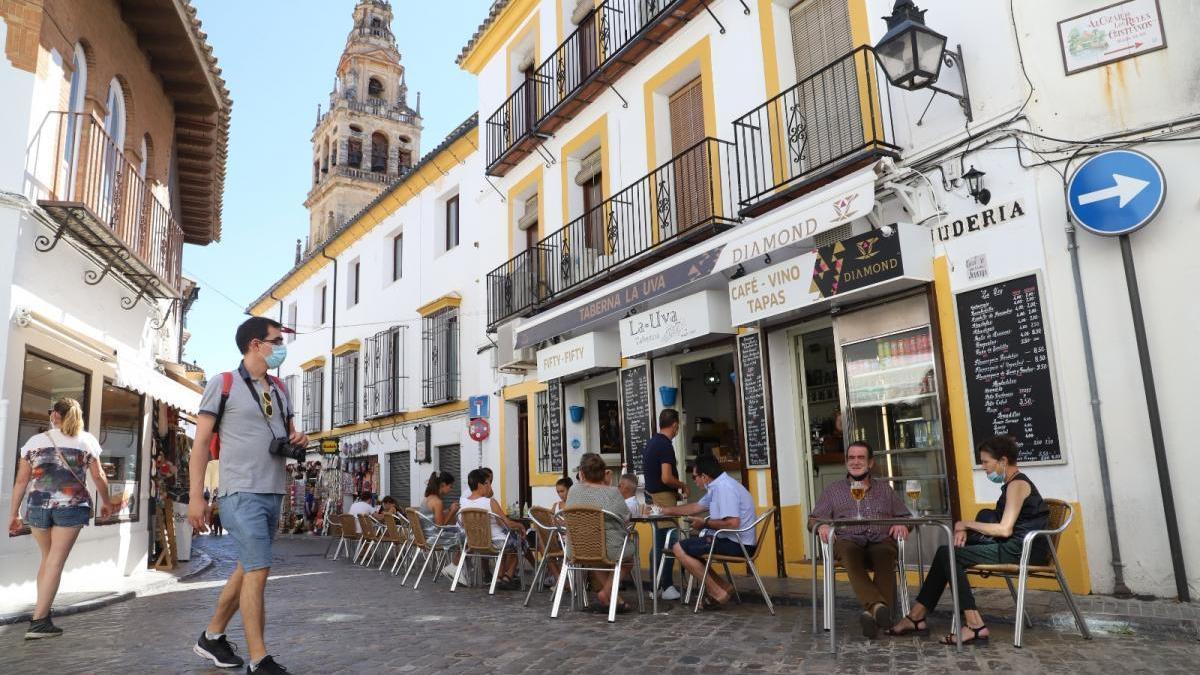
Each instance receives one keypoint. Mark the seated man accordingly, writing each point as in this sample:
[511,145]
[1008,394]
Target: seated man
[628,489]
[730,507]
[859,547]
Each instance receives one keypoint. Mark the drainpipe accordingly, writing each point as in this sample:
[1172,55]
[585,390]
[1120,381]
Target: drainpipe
[333,328]
[1119,587]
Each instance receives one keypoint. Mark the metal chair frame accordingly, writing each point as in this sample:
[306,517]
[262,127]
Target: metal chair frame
[763,519]
[372,531]
[571,565]
[489,552]
[831,585]
[433,550]
[547,550]
[347,535]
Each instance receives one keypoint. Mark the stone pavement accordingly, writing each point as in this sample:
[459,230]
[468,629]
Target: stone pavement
[329,617]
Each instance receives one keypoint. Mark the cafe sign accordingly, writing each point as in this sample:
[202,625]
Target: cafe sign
[688,318]
[589,351]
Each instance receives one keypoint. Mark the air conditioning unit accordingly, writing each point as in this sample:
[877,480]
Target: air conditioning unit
[508,358]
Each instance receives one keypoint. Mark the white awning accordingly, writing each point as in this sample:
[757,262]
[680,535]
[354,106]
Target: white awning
[133,373]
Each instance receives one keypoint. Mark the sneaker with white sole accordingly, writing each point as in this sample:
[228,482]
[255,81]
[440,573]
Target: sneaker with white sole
[266,666]
[669,593]
[448,572]
[220,651]
[42,628]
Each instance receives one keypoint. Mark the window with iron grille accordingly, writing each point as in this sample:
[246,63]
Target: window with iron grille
[314,388]
[345,389]
[383,373]
[544,459]
[439,338]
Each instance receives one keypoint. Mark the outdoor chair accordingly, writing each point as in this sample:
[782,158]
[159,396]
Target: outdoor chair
[404,529]
[349,536]
[437,549]
[1061,514]
[476,524]
[746,558]
[368,528]
[549,545]
[389,535]
[334,532]
[831,585]
[586,551]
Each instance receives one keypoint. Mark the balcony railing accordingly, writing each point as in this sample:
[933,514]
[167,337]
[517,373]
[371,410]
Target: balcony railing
[609,40]
[691,197]
[372,106]
[362,174]
[828,124]
[104,206]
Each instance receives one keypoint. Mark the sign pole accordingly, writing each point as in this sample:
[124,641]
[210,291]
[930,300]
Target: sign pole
[1156,433]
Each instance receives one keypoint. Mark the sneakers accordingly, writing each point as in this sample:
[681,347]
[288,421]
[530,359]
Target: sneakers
[267,665]
[448,572]
[669,593]
[219,651]
[42,628]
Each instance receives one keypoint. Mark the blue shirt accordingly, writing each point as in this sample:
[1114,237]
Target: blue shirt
[659,451]
[727,498]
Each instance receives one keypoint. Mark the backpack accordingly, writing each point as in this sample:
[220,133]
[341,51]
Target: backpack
[214,447]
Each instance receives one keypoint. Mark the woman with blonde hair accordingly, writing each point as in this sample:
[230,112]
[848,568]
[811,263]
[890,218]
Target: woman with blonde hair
[54,467]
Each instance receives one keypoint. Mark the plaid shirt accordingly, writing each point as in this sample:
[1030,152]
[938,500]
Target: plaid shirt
[881,502]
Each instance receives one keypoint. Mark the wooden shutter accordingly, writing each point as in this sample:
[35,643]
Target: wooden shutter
[692,189]
[827,106]
[820,34]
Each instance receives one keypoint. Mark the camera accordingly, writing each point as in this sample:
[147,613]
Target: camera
[284,448]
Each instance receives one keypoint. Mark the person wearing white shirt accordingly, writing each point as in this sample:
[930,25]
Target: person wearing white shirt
[628,488]
[362,506]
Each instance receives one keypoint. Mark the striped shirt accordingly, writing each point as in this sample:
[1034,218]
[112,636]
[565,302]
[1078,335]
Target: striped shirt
[881,502]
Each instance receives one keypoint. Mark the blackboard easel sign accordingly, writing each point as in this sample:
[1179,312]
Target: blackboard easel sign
[554,424]
[637,414]
[1010,391]
[753,391]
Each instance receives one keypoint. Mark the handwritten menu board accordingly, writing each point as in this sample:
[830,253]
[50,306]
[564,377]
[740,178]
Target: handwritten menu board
[754,401]
[637,415]
[554,404]
[1009,391]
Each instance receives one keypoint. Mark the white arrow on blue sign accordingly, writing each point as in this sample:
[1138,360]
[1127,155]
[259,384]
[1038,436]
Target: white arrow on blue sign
[1116,192]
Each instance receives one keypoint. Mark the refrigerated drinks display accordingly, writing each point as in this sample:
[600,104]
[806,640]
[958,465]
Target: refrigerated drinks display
[891,392]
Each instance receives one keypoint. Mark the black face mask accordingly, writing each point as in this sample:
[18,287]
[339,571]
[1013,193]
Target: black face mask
[862,476]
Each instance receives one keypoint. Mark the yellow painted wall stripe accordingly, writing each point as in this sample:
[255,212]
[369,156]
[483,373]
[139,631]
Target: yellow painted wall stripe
[452,299]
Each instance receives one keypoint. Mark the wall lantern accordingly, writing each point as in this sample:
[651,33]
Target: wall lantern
[712,379]
[975,188]
[912,54]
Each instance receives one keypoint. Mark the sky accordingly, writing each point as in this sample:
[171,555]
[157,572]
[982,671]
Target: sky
[278,59]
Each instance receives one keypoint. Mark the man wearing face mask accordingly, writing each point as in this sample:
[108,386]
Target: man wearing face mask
[253,414]
[865,547]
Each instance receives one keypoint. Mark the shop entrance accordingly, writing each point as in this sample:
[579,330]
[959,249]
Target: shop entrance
[603,419]
[708,413]
[821,409]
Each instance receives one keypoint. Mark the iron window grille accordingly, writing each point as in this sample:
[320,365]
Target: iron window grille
[345,389]
[439,338]
[383,373]
[314,388]
[544,459]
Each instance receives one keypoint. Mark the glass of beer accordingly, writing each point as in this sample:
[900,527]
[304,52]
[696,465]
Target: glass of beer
[912,489]
[858,490]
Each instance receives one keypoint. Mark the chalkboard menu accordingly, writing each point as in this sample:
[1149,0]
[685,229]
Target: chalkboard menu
[554,404]
[754,401]
[637,414]
[1009,391]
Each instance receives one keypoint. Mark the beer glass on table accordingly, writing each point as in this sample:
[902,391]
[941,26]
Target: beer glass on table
[858,490]
[912,489]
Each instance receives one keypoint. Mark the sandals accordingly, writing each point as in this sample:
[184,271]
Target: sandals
[975,638]
[598,607]
[919,626]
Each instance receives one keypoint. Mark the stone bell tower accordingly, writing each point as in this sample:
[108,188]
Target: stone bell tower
[369,136]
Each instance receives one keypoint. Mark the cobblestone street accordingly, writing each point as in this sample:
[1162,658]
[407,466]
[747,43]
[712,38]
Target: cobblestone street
[329,617]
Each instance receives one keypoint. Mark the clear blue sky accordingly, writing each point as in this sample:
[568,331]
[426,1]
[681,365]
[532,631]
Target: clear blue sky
[278,58]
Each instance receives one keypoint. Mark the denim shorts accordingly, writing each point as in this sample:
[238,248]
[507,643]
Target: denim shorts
[698,546]
[65,516]
[251,519]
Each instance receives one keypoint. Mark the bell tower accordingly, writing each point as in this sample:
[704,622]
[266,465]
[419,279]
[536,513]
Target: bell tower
[369,136]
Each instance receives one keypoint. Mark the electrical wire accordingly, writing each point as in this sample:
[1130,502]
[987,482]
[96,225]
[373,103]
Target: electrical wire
[241,306]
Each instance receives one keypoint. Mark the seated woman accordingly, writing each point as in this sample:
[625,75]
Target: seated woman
[562,488]
[594,490]
[480,482]
[440,484]
[388,506]
[995,538]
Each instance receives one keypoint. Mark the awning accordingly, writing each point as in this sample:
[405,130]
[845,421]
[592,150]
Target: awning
[133,373]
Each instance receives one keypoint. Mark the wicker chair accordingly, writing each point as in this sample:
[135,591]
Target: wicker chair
[349,534]
[1061,514]
[587,551]
[406,541]
[763,521]
[549,545]
[370,530]
[438,549]
[334,532]
[476,524]
[389,535]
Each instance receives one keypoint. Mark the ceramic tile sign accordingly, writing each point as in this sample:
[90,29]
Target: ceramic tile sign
[1111,33]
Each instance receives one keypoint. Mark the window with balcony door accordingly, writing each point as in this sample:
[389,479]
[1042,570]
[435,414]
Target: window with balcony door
[691,189]
[821,36]
[114,157]
[75,100]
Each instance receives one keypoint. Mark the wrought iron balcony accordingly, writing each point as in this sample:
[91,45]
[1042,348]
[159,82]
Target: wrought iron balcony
[827,125]
[610,40]
[691,197]
[103,207]
[372,106]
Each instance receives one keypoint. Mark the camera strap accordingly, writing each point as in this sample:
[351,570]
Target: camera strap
[255,396]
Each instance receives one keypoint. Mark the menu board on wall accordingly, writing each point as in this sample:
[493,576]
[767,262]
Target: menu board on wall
[637,414]
[754,401]
[1009,390]
[554,404]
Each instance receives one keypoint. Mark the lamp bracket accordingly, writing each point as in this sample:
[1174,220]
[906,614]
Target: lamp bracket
[954,60]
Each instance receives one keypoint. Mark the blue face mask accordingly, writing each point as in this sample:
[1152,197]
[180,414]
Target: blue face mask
[995,477]
[278,354]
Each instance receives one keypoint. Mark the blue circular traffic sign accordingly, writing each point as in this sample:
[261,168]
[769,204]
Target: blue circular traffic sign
[1116,192]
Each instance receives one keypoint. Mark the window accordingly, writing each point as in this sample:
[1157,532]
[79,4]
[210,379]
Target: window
[544,459]
[352,285]
[440,344]
[403,160]
[44,382]
[383,370]
[292,312]
[452,222]
[314,387]
[345,389]
[397,257]
[75,106]
[321,295]
[379,153]
[121,415]
[354,153]
[111,149]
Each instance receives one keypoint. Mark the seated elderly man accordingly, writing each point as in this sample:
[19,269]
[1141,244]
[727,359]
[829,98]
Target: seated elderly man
[859,547]
[730,507]
[628,489]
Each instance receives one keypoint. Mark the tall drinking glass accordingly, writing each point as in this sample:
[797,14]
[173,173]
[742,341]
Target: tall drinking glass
[858,490]
[912,489]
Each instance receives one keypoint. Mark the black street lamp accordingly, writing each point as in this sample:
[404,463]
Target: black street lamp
[974,178]
[912,54]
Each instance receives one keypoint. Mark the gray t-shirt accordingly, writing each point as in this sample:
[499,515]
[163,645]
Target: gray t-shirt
[246,464]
